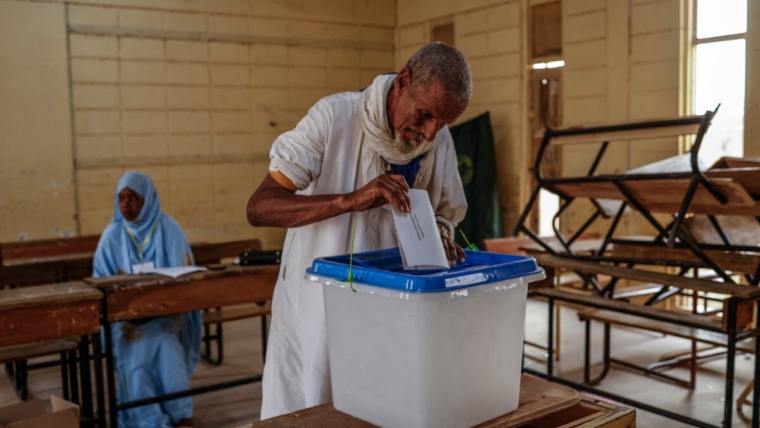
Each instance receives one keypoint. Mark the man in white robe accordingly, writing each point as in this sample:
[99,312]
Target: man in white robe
[333,170]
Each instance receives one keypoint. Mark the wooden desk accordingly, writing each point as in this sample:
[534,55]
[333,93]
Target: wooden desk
[127,297]
[141,296]
[542,405]
[37,315]
[39,264]
[45,312]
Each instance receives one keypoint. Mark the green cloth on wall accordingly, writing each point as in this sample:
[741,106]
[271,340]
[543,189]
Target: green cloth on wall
[473,141]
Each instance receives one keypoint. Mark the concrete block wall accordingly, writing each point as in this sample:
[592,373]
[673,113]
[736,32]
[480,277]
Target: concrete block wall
[623,63]
[37,192]
[491,35]
[191,93]
[194,93]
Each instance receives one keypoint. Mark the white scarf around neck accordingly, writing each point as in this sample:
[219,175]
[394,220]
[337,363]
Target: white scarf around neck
[378,149]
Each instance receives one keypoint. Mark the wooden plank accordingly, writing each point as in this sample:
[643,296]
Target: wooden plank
[75,266]
[591,190]
[700,335]
[52,294]
[48,247]
[582,246]
[25,275]
[627,135]
[191,292]
[234,313]
[746,177]
[666,196]
[623,307]
[46,322]
[537,399]
[728,260]
[729,162]
[33,350]
[736,290]
[589,413]
[740,230]
[205,253]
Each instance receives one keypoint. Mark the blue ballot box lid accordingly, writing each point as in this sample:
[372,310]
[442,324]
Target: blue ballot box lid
[384,268]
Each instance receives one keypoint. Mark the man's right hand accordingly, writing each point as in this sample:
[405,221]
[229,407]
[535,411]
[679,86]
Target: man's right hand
[383,189]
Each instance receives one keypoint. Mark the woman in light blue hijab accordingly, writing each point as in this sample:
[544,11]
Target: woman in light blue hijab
[156,355]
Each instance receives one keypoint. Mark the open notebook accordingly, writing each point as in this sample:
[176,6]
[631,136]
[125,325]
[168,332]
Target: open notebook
[417,234]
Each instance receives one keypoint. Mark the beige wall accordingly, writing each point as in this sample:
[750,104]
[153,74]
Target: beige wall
[36,167]
[752,101]
[623,63]
[193,94]
[490,33]
[626,61]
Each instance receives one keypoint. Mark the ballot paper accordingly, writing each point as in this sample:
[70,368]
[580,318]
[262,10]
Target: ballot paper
[176,272]
[418,238]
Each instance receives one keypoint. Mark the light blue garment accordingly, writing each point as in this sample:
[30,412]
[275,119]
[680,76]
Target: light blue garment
[156,355]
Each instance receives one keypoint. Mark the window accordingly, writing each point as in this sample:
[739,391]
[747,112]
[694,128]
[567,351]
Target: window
[719,74]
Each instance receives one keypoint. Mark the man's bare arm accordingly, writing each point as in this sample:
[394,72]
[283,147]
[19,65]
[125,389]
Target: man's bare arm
[274,205]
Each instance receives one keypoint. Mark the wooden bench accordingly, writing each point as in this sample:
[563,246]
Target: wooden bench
[220,316]
[213,319]
[695,334]
[728,330]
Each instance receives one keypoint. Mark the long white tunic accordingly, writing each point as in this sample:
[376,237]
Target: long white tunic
[322,155]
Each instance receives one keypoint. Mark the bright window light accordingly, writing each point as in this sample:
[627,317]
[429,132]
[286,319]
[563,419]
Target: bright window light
[717,18]
[719,79]
[548,205]
[550,64]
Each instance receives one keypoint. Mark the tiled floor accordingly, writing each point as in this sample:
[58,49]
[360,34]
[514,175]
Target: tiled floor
[237,406]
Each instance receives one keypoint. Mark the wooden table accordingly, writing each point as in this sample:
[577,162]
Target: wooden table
[129,297]
[58,262]
[46,312]
[32,318]
[542,405]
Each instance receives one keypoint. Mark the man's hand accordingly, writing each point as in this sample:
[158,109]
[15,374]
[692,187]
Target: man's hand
[383,189]
[454,252]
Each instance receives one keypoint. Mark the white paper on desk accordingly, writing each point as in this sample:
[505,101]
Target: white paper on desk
[418,239]
[176,272]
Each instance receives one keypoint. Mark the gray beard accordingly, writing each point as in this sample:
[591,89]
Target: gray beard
[405,147]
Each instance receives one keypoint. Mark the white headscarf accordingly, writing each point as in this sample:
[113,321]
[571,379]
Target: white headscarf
[379,139]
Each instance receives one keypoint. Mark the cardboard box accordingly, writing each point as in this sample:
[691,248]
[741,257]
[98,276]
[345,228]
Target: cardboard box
[57,413]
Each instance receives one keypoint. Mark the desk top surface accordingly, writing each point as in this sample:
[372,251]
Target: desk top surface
[538,398]
[52,294]
[115,281]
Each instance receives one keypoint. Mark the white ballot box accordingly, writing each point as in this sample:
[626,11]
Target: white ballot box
[439,348]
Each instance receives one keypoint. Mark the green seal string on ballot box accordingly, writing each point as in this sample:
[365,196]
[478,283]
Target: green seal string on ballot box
[351,260]
[469,245]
